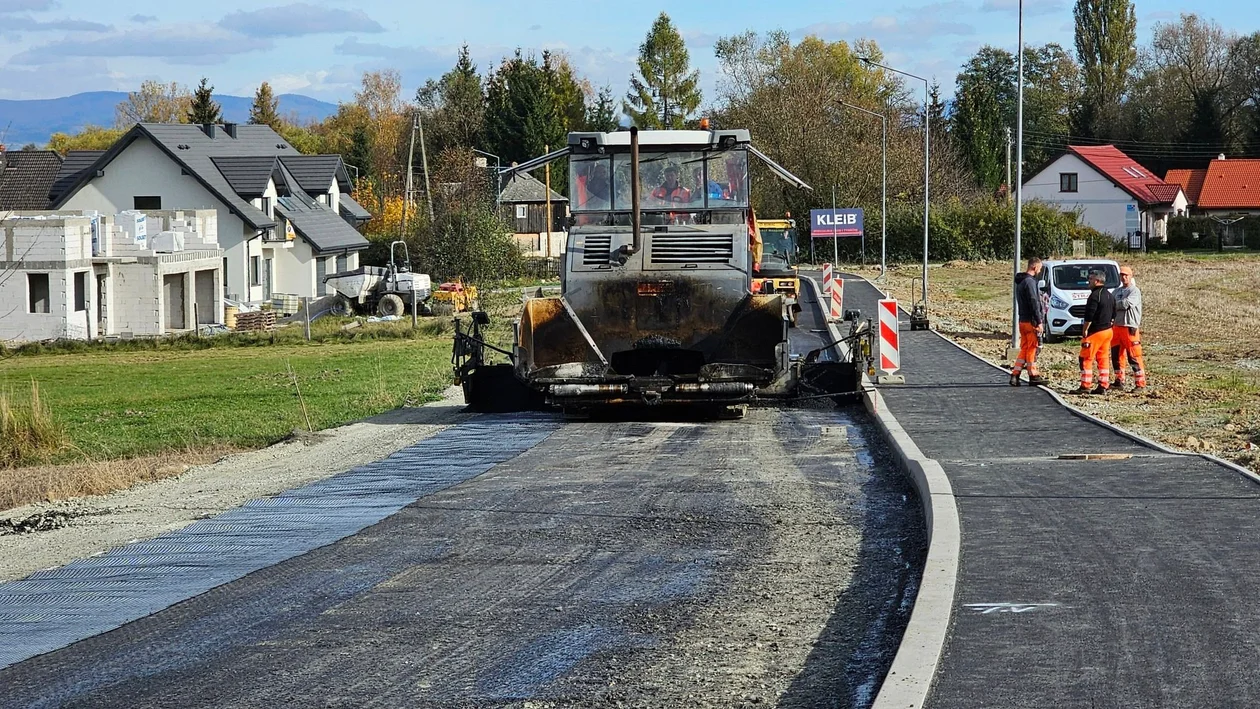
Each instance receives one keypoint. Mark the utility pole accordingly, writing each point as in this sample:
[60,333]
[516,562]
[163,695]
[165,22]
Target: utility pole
[1009,187]
[547,171]
[835,238]
[1019,179]
[424,160]
[411,152]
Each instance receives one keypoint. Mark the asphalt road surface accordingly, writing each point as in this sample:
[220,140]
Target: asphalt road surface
[765,561]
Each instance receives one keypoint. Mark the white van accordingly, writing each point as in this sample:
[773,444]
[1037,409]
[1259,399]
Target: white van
[1066,285]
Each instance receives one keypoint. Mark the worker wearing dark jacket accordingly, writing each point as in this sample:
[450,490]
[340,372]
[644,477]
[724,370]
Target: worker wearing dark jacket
[1100,310]
[1031,323]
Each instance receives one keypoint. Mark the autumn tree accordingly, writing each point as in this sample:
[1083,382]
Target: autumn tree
[378,109]
[1245,59]
[90,138]
[155,102]
[1195,56]
[203,109]
[266,107]
[665,93]
[1106,47]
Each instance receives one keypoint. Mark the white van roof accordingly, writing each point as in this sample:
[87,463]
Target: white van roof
[1079,262]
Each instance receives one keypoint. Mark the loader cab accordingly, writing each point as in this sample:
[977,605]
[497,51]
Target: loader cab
[778,247]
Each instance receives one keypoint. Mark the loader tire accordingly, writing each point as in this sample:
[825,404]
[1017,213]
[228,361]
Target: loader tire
[390,304]
[342,306]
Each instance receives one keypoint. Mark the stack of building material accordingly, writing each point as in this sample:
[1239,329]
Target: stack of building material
[258,320]
[285,303]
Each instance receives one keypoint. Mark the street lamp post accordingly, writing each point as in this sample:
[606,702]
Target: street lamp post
[883,210]
[927,102]
[498,176]
[1019,179]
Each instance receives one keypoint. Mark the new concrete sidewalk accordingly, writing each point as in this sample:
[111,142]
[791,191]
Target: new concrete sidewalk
[1108,583]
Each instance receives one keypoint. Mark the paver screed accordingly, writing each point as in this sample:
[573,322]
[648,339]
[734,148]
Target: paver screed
[1082,583]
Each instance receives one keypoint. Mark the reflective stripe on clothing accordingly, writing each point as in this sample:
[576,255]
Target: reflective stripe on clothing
[1028,342]
[1126,344]
[1096,351]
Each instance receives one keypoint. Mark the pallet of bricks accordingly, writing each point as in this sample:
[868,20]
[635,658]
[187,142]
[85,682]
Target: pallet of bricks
[259,320]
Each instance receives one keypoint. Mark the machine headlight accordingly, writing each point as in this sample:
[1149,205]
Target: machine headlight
[1058,303]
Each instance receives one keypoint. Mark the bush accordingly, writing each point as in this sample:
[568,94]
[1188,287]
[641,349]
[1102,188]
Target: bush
[972,230]
[1182,230]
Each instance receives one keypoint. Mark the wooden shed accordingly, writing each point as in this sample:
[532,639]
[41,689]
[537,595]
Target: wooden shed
[523,206]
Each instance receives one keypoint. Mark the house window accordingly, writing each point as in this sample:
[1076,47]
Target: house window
[1067,182]
[37,287]
[80,292]
[255,270]
[522,211]
[146,202]
[266,206]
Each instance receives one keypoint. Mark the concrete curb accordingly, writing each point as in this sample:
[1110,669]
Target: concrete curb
[913,668]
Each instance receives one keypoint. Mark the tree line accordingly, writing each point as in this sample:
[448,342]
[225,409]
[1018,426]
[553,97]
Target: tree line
[1191,92]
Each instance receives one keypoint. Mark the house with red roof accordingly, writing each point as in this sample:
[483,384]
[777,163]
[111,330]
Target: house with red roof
[1225,186]
[1110,191]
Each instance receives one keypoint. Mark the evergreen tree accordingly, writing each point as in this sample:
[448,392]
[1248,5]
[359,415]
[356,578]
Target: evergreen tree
[601,114]
[454,106]
[266,108]
[521,115]
[666,91]
[360,153]
[203,109]
[1106,46]
[984,107]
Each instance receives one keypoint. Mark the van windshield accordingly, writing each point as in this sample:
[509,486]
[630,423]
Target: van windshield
[1076,276]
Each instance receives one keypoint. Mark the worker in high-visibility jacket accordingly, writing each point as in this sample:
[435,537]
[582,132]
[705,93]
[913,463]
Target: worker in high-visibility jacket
[1031,323]
[1100,311]
[1126,334]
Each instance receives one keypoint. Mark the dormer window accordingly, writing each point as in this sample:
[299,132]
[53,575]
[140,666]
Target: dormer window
[323,199]
[266,206]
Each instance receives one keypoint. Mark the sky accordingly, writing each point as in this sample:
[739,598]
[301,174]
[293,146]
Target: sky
[56,48]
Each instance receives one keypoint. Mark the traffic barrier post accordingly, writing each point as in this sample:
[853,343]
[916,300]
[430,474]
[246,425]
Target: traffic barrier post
[889,343]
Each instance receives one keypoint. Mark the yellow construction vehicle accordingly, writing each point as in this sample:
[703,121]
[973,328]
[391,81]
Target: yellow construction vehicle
[774,261]
[453,297]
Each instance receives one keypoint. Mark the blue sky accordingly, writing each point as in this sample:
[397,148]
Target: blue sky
[59,47]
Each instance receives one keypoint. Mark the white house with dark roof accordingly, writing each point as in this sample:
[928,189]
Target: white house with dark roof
[284,219]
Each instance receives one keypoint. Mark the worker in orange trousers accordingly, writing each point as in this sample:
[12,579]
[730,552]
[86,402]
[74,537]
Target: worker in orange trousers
[1126,336]
[1031,323]
[1096,336]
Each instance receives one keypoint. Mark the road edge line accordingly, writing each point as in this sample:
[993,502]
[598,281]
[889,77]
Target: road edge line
[909,678]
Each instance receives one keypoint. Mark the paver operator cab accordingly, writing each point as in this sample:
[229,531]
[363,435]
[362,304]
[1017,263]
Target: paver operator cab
[657,304]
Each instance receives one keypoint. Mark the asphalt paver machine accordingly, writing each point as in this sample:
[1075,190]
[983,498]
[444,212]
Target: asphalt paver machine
[657,305]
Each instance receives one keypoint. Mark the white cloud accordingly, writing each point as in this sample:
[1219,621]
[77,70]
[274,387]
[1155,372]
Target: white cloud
[59,79]
[910,28]
[143,19]
[177,44]
[297,20]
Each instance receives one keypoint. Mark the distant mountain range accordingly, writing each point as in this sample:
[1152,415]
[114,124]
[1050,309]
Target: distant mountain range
[32,121]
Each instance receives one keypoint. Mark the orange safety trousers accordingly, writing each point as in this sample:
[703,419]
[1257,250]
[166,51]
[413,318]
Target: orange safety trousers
[1028,342]
[1126,343]
[1095,350]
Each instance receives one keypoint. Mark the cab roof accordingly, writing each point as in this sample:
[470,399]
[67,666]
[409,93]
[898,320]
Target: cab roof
[697,139]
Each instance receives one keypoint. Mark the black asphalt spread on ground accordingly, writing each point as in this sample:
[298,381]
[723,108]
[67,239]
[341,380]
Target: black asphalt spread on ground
[1121,583]
[628,563]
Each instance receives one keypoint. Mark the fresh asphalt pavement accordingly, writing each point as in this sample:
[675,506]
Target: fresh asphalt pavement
[1106,583]
[647,563]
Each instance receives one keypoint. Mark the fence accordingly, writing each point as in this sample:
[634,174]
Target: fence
[541,268]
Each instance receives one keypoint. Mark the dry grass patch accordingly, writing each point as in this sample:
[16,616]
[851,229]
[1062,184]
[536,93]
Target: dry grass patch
[49,483]
[1201,336]
[27,429]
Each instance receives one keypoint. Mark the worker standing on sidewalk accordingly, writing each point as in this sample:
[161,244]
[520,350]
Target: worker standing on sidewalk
[1126,338]
[1096,335]
[1031,323]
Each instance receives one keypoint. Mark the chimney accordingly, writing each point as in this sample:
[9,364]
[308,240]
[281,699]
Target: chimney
[230,129]
[1221,156]
[208,129]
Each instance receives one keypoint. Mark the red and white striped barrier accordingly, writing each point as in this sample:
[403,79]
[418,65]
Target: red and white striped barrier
[837,299]
[827,277]
[889,337]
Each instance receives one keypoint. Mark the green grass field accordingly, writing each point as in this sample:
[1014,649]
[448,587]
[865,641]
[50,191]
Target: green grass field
[139,399]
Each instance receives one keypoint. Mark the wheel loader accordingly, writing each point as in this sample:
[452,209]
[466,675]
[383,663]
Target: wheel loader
[656,305]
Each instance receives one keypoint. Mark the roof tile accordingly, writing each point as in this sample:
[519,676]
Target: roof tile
[1191,182]
[1121,169]
[26,178]
[1231,184]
